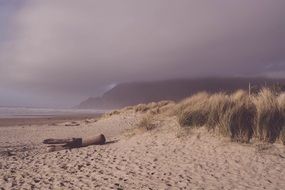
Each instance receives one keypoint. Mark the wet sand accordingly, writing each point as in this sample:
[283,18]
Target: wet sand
[44,120]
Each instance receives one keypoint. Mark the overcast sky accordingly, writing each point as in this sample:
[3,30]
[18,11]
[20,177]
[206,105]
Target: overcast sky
[57,53]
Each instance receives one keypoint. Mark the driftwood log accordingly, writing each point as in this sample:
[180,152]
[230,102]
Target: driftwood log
[60,144]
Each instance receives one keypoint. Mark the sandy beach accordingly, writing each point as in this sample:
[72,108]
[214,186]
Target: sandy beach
[142,95]
[133,158]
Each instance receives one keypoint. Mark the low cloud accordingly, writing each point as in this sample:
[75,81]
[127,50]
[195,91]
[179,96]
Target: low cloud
[75,49]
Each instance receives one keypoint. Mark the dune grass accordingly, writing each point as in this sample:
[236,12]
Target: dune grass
[281,102]
[269,118]
[153,107]
[192,111]
[218,106]
[147,122]
[239,116]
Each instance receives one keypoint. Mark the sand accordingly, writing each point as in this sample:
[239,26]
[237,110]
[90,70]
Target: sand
[164,158]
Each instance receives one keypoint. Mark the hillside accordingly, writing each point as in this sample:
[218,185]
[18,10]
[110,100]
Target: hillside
[127,94]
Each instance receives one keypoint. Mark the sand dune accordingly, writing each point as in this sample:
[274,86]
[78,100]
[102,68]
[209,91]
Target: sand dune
[163,158]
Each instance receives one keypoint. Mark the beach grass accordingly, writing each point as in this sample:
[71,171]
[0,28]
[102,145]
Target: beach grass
[239,115]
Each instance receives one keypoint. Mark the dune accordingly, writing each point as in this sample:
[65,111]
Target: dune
[146,149]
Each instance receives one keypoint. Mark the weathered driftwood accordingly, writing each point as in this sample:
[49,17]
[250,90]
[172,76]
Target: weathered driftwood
[57,141]
[60,144]
[99,140]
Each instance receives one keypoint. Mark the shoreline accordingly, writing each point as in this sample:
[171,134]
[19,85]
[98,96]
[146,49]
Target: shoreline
[45,120]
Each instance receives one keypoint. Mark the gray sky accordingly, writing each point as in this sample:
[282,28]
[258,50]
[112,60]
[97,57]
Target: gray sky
[56,53]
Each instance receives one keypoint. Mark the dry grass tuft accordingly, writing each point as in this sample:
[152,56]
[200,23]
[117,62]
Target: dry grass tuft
[193,112]
[269,119]
[147,122]
[282,135]
[128,108]
[153,107]
[141,108]
[168,109]
[218,105]
[281,102]
[238,115]
[114,112]
[164,103]
[188,102]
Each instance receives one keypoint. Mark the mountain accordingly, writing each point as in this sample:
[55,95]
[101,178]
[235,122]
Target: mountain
[127,94]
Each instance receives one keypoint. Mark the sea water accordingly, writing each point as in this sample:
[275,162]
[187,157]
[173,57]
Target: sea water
[23,112]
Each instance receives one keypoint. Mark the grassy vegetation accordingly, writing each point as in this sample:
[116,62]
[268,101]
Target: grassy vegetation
[153,107]
[192,111]
[147,122]
[238,115]
[270,116]
[281,102]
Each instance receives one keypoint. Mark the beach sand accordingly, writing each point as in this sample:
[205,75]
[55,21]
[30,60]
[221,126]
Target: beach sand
[133,158]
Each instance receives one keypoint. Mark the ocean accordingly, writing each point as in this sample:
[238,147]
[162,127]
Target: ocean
[21,112]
